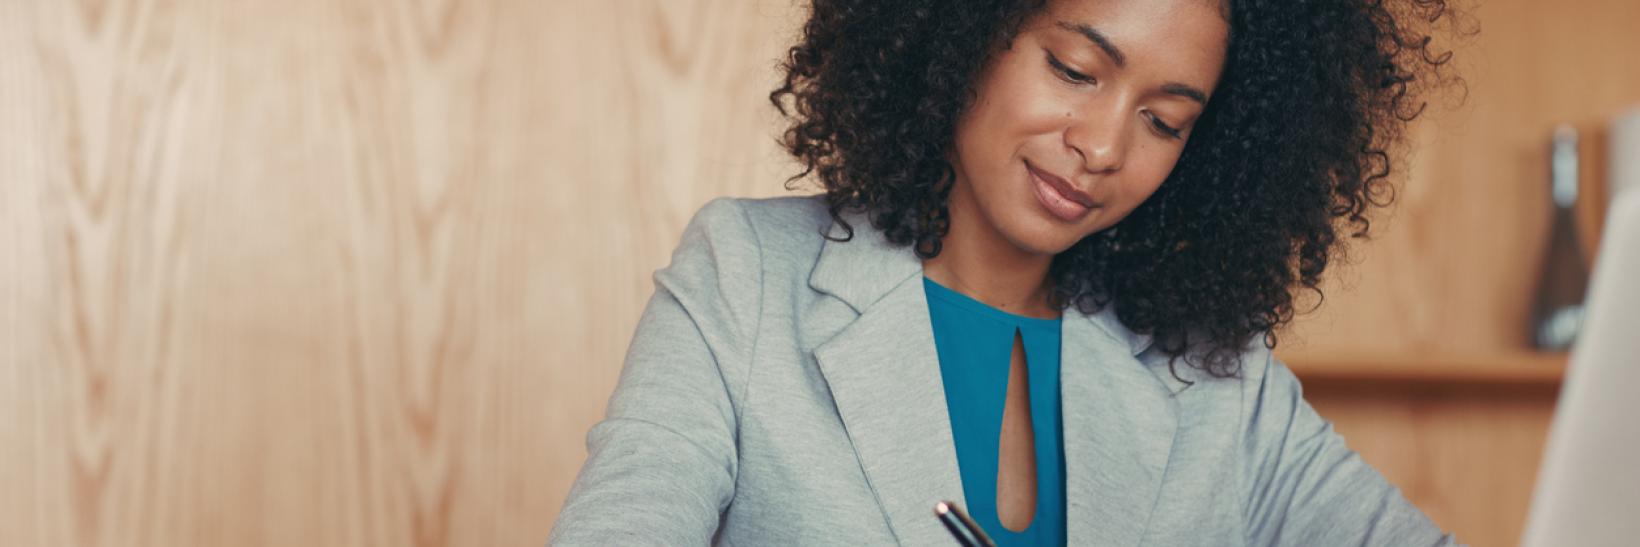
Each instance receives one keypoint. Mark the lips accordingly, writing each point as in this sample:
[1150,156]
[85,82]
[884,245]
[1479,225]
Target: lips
[1069,207]
[1062,187]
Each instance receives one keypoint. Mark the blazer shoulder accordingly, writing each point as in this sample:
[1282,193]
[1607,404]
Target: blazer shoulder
[716,272]
[788,229]
[733,246]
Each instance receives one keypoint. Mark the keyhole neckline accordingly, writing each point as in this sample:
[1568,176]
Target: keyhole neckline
[986,310]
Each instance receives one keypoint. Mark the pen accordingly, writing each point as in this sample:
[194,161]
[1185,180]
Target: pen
[967,532]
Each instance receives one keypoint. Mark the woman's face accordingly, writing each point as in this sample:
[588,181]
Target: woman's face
[1083,116]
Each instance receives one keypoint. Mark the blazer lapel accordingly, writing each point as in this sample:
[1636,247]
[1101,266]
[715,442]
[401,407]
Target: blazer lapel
[884,376]
[1120,421]
[1119,417]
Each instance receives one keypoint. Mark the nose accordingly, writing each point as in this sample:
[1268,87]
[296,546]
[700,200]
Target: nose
[1100,135]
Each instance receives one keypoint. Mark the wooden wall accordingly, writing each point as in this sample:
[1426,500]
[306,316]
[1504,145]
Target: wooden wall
[319,272]
[361,272]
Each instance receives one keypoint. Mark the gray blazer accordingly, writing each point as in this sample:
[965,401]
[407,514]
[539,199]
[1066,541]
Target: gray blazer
[782,389]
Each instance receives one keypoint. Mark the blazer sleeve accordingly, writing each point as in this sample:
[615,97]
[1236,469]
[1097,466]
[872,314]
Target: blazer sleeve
[1306,487]
[661,465]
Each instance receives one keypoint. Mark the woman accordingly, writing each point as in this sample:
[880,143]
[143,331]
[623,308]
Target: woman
[1042,281]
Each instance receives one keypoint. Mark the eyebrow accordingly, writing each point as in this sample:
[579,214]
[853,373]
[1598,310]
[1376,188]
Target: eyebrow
[1185,90]
[1098,38]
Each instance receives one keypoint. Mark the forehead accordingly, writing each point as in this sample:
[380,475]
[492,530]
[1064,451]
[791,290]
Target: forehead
[1166,35]
[1161,8]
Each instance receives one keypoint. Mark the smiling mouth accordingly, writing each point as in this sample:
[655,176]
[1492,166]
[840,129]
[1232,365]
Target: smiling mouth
[1062,186]
[1058,197]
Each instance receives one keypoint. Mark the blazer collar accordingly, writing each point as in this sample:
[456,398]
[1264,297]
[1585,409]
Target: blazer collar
[861,271]
[882,368]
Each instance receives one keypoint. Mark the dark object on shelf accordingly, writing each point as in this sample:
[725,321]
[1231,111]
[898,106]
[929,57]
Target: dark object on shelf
[1558,315]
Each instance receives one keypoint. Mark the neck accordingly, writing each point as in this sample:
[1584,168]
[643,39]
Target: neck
[976,260]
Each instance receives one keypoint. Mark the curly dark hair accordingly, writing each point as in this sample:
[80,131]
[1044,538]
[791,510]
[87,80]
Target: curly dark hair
[1294,148]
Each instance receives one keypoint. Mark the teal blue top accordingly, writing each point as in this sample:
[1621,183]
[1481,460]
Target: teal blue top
[975,344]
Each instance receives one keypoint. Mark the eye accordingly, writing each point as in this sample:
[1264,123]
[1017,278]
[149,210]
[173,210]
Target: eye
[1065,72]
[1162,127]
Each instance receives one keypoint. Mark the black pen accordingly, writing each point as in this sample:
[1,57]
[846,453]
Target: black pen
[967,532]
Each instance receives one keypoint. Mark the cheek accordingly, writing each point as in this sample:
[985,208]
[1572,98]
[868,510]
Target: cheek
[1147,174]
[1030,106]
[1012,105]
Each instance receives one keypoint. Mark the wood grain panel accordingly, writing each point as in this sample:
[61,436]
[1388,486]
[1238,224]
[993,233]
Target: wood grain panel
[343,273]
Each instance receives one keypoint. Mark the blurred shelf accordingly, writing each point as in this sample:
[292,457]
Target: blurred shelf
[1499,369]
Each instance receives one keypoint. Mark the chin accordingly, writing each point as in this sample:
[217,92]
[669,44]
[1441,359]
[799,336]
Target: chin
[1041,237]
